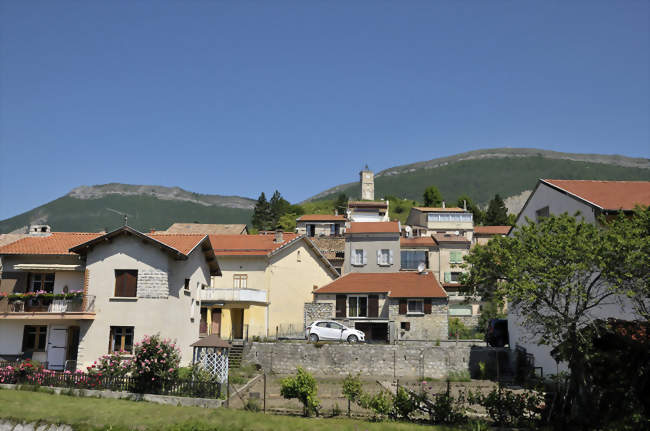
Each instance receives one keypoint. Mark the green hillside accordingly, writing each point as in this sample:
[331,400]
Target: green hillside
[482,178]
[146,212]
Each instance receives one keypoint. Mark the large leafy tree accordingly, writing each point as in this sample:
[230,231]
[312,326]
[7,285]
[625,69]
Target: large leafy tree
[555,274]
[497,213]
[261,219]
[432,197]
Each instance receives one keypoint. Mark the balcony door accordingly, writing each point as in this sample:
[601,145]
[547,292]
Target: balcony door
[56,347]
[237,321]
[216,322]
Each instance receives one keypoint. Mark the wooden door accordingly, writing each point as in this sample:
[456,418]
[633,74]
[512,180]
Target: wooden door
[237,320]
[216,321]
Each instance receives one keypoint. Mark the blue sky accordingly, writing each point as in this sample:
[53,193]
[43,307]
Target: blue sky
[241,97]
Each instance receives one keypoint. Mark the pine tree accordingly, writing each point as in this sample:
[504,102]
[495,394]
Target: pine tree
[497,214]
[432,197]
[261,214]
[278,206]
[341,203]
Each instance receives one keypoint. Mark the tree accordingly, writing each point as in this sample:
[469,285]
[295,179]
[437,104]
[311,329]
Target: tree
[432,197]
[303,387]
[554,274]
[497,214]
[341,204]
[278,206]
[288,222]
[465,200]
[261,214]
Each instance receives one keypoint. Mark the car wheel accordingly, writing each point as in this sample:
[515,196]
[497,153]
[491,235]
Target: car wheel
[313,338]
[352,339]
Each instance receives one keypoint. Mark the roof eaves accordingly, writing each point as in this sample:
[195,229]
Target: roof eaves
[573,195]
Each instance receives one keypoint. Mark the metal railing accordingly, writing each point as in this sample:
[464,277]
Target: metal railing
[81,304]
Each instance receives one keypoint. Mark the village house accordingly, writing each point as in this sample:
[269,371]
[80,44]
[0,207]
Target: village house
[591,199]
[483,234]
[425,221]
[264,282]
[387,307]
[372,247]
[110,290]
[316,225]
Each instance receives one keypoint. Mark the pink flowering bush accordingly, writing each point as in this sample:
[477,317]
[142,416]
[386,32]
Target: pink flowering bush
[155,360]
[111,365]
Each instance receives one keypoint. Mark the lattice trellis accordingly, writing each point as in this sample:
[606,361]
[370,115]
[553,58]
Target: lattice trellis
[214,360]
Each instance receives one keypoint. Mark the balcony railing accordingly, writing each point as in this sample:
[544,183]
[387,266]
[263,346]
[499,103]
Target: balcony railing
[81,304]
[234,295]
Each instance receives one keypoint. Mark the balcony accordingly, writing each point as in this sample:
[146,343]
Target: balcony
[79,308]
[250,296]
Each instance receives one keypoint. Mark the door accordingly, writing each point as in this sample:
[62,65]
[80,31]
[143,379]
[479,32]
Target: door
[56,347]
[336,331]
[216,321]
[237,319]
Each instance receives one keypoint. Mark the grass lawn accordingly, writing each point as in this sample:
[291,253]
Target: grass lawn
[107,414]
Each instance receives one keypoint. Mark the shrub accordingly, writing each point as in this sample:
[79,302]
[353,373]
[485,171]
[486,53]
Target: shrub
[459,376]
[352,388]
[111,365]
[336,410]
[303,387]
[380,403]
[509,409]
[252,405]
[446,409]
[155,360]
[404,403]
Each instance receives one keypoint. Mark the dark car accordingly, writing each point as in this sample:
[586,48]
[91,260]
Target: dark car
[497,333]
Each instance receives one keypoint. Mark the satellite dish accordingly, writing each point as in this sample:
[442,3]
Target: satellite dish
[421,267]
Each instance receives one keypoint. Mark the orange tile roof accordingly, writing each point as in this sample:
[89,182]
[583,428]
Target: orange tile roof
[248,245]
[449,237]
[440,210]
[607,195]
[422,241]
[321,217]
[56,243]
[492,230]
[373,227]
[396,284]
[184,243]
[368,204]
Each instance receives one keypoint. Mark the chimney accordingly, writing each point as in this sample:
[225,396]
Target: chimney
[39,230]
[278,237]
[464,204]
[443,204]
[336,211]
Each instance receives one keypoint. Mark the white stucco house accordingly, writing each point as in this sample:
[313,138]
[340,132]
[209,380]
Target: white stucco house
[592,199]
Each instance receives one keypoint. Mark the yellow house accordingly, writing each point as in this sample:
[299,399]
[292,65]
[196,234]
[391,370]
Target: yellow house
[265,281]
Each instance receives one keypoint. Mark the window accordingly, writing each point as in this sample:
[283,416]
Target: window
[405,326]
[541,213]
[43,282]
[415,306]
[298,256]
[357,306]
[455,277]
[384,257]
[240,281]
[187,284]
[410,259]
[121,339]
[455,257]
[126,283]
[447,217]
[359,257]
[333,229]
[34,338]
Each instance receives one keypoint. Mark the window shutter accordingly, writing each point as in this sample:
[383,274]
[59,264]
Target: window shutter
[355,257]
[119,283]
[427,305]
[365,257]
[373,305]
[390,256]
[131,284]
[447,277]
[402,306]
[379,262]
[340,305]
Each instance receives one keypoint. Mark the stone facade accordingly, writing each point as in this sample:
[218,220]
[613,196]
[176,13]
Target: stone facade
[152,284]
[421,327]
[412,360]
[470,322]
[318,311]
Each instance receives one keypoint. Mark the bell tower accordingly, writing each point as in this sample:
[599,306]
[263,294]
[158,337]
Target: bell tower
[367,179]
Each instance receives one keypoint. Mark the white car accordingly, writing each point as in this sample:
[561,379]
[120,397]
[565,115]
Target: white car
[328,330]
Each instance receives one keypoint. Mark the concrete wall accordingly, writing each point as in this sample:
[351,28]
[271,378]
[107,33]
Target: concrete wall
[371,243]
[172,315]
[381,361]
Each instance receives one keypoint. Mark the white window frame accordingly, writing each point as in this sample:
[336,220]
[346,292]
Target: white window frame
[347,308]
[415,301]
[383,259]
[358,258]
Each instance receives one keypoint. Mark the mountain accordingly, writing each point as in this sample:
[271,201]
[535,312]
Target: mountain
[511,172]
[94,208]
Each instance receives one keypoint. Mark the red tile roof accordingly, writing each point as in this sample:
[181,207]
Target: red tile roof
[321,217]
[492,230]
[373,227]
[184,243]
[396,284]
[449,237]
[56,243]
[248,245]
[607,195]
[440,210]
[422,241]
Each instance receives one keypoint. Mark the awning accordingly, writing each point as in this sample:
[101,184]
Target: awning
[47,267]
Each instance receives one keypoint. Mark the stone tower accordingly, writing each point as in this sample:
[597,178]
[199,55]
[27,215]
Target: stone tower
[367,184]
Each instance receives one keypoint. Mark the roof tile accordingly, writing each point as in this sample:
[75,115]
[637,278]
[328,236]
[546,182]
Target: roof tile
[608,195]
[396,284]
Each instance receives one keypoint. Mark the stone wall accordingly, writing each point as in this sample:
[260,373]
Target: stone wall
[470,322]
[412,360]
[424,327]
[317,311]
[152,284]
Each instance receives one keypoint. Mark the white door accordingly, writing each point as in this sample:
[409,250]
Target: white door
[56,347]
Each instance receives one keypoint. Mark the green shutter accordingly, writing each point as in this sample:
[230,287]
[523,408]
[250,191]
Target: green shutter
[447,277]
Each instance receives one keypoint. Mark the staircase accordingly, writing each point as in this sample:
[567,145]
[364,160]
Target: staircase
[235,355]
